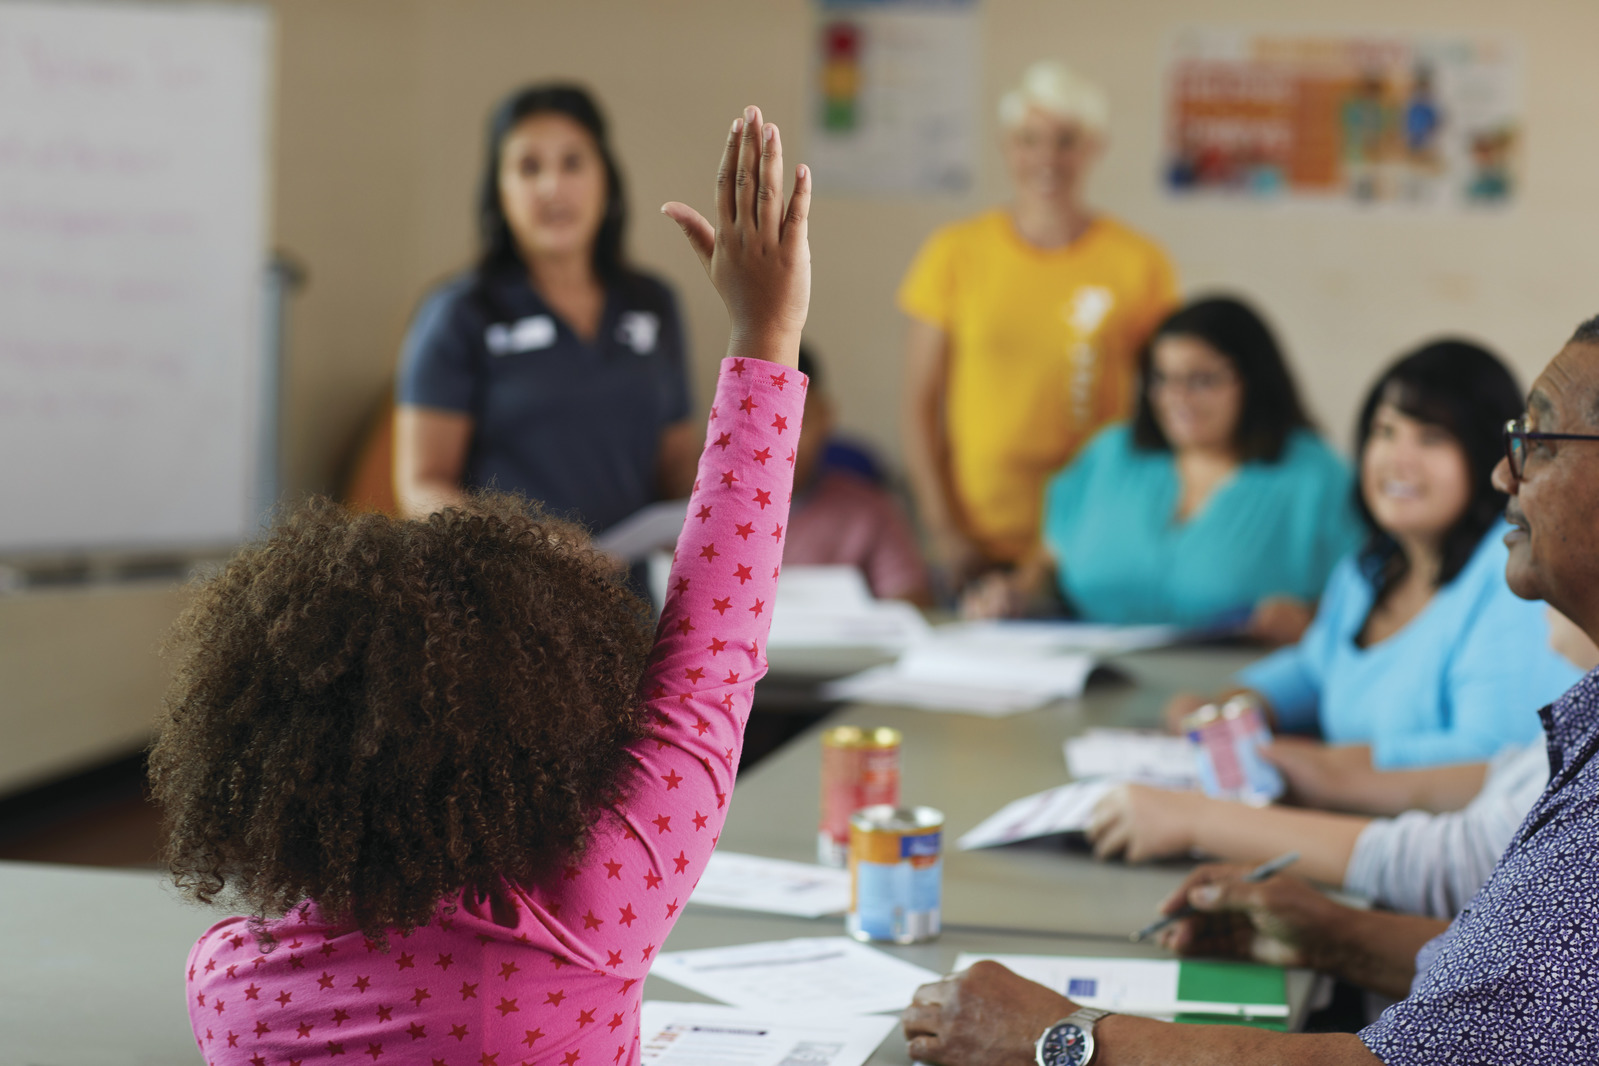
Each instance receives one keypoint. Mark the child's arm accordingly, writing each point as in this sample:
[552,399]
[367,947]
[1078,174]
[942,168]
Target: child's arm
[618,902]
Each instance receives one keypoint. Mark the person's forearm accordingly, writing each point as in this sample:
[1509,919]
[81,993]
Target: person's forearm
[1255,835]
[1387,793]
[419,498]
[1126,1040]
[1376,950]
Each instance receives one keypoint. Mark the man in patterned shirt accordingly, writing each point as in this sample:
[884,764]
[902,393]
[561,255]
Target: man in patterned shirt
[1515,977]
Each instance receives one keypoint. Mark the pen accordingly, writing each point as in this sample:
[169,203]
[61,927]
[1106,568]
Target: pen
[1260,873]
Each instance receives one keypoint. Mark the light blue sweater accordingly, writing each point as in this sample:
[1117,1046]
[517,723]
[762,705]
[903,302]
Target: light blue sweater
[1462,680]
[1272,529]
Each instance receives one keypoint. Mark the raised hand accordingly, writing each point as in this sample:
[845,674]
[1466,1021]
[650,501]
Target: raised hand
[757,255]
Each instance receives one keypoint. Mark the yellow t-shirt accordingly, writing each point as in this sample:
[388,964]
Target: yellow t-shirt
[1043,352]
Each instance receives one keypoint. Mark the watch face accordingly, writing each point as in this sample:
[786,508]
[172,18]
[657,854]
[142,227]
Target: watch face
[1065,1045]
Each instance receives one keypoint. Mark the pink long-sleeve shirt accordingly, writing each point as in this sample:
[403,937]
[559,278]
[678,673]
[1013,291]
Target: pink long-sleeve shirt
[559,978]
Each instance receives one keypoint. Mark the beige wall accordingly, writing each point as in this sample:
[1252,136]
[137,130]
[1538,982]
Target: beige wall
[381,104]
[379,109]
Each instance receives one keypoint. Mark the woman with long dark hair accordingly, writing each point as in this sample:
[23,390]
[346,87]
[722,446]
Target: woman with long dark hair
[552,369]
[1218,501]
[1419,648]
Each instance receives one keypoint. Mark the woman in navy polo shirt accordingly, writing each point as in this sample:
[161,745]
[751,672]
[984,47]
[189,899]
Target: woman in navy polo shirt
[551,369]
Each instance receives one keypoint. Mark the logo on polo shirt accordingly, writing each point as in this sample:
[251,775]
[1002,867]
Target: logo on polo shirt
[638,330]
[525,335]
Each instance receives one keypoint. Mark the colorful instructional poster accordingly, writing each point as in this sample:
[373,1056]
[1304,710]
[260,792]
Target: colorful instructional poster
[1414,121]
[894,97]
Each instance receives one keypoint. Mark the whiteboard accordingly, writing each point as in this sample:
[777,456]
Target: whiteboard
[133,184]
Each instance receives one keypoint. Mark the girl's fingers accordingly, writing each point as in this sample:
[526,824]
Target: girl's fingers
[749,166]
[799,207]
[701,237]
[769,196]
[726,181]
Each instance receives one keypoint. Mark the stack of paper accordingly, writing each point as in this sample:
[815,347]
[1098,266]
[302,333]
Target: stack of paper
[754,883]
[962,668]
[1187,990]
[1009,636]
[1048,813]
[831,607]
[821,975]
[709,1034]
[1133,755]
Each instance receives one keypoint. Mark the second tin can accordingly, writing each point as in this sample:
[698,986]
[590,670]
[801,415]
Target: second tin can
[860,768]
[896,874]
[1229,739]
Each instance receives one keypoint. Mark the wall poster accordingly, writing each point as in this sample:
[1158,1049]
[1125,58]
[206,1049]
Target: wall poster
[894,94]
[1415,121]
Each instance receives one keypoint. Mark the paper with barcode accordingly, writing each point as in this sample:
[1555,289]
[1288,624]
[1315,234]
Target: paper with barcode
[710,1034]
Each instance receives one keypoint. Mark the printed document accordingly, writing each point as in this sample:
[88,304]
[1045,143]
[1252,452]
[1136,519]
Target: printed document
[1133,755]
[826,975]
[776,886]
[1056,810]
[709,1034]
[1151,987]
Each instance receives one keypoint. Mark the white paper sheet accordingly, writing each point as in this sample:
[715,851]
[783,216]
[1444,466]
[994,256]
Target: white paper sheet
[754,883]
[832,607]
[1012,636]
[1133,755]
[1130,986]
[826,975]
[891,685]
[1056,810]
[645,530]
[709,1034]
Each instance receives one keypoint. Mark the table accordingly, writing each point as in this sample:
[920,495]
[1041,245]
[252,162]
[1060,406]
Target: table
[969,767]
[76,936]
[118,939]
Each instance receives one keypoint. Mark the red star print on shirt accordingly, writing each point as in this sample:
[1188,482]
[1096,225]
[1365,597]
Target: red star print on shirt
[550,943]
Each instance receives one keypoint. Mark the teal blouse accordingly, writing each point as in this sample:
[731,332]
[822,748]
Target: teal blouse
[1272,529]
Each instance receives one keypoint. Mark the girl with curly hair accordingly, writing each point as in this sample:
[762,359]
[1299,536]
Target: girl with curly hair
[462,794]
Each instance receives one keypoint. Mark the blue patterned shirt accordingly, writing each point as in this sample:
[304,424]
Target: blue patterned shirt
[1515,978]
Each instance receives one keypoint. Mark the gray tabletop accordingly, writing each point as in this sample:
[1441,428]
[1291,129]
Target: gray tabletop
[92,971]
[969,767]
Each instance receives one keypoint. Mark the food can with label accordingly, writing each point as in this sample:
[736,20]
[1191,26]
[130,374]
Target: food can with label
[896,874]
[1228,740]
[860,768]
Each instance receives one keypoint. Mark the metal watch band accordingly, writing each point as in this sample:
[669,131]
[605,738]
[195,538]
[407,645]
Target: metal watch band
[1083,1019]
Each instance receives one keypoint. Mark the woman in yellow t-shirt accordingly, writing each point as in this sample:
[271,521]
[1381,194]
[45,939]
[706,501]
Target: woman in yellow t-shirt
[1025,326]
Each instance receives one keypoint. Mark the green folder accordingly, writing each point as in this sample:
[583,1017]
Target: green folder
[1232,982]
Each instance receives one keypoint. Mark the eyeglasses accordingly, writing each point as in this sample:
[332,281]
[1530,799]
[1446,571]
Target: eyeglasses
[1517,435]
[1200,381]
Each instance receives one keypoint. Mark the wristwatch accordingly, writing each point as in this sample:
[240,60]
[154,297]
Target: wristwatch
[1070,1041]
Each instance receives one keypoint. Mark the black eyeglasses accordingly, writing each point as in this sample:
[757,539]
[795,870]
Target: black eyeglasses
[1517,435]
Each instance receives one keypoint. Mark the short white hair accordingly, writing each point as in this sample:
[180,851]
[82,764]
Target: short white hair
[1052,86]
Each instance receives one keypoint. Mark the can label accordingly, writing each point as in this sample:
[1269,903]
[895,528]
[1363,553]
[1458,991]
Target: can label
[1228,742]
[896,868]
[860,768]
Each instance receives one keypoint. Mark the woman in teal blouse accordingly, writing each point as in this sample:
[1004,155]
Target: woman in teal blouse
[1216,504]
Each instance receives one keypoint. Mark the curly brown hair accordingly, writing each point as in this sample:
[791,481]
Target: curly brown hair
[374,713]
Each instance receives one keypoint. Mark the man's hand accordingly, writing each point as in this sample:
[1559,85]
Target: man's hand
[1282,921]
[1144,823]
[984,1016]
[757,255]
[1326,776]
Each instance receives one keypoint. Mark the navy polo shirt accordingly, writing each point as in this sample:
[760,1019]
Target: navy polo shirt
[574,424]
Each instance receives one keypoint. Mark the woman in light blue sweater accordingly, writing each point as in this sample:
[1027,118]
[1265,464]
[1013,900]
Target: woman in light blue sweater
[1419,653]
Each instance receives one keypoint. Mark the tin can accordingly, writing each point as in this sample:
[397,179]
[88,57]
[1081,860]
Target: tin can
[860,768]
[896,872]
[1228,740]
